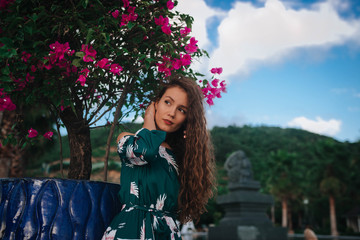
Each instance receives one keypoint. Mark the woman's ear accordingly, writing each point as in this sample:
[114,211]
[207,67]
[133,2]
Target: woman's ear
[156,104]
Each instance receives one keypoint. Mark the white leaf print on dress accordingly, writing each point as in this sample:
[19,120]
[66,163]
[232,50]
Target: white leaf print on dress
[168,157]
[109,234]
[160,202]
[133,158]
[172,225]
[142,231]
[121,143]
[121,225]
[134,189]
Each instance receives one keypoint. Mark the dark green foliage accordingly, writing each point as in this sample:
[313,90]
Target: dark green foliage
[294,164]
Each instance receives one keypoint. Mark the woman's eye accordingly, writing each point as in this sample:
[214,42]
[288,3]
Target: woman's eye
[182,110]
[167,102]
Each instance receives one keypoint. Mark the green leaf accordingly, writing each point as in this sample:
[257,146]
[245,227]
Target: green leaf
[106,37]
[85,3]
[23,146]
[76,62]
[9,43]
[80,54]
[28,29]
[89,35]
[5,70]
[5,53]
[131,25]
[34,17]
[5,78]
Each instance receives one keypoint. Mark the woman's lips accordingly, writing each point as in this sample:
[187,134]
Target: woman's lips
[167,122]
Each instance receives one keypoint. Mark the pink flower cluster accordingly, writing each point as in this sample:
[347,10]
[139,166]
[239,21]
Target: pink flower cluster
[57,58]
[5,102]
[164,23]
[167,64]
[214,89]
[90,53]
[32,133]
[126,18]
[185,31]
[170,5]
[191,47]
[5,3]
[90,56]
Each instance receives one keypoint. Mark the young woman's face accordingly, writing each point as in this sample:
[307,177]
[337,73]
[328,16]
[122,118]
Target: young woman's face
[171,109]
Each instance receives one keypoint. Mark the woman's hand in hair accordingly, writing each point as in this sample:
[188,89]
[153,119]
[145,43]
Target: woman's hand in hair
[149,117]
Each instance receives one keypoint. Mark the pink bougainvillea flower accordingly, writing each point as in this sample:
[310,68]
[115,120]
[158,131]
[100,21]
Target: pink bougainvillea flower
[21,84]
[191,47]
[103,63]
[115,13]
[215,82]
[48,135]
[125,19]
[210,101]
[32,133]
[59,50]
[166,29]
[170,5]
[176,63]
[160,21]
[29,78]
[185,59]
[216,70]
[86,71]
[4,4]
[163,67]
[6,103]
[33,68]
[223,86]
[131,9]
[82,80]
[90,53]
[185,31]
[126,3]
[115,68]
[25,56]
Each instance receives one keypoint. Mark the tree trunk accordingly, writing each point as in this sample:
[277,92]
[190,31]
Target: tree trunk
[284,212]
[290,223]
[334,231]
[11,156]
[79,143]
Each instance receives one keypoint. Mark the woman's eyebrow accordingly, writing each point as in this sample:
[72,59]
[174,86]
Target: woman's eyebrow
[174,101]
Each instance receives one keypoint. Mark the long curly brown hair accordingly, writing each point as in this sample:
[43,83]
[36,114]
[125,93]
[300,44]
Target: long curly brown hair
[194,153]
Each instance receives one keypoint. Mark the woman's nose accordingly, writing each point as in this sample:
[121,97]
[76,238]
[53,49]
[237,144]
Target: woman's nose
[172,112]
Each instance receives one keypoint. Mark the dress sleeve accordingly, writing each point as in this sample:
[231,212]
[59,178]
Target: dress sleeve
[140,148]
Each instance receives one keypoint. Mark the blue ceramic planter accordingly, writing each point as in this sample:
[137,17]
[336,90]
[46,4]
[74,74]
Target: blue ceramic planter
[56,208]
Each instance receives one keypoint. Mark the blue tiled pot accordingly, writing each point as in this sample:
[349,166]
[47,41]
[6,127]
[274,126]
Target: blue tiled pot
[56,208]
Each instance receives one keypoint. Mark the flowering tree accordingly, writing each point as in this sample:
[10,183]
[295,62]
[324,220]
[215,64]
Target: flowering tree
[84,60]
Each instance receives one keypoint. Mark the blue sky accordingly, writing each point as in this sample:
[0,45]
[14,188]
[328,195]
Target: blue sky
[287,63]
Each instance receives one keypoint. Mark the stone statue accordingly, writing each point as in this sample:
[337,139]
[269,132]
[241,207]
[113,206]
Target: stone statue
[244,205]
[238,167]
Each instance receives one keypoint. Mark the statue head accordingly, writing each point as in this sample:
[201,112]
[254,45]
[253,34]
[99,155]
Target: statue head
[238,167]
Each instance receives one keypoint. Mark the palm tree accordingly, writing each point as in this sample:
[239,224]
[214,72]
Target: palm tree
[332,187]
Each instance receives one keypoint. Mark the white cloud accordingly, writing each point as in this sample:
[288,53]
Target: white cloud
[201,13]
[320,126]
[249,35]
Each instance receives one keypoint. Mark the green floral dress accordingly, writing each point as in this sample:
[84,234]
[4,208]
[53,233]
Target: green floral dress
[149,189]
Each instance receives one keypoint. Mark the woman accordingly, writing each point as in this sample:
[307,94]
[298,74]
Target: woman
[168,166]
